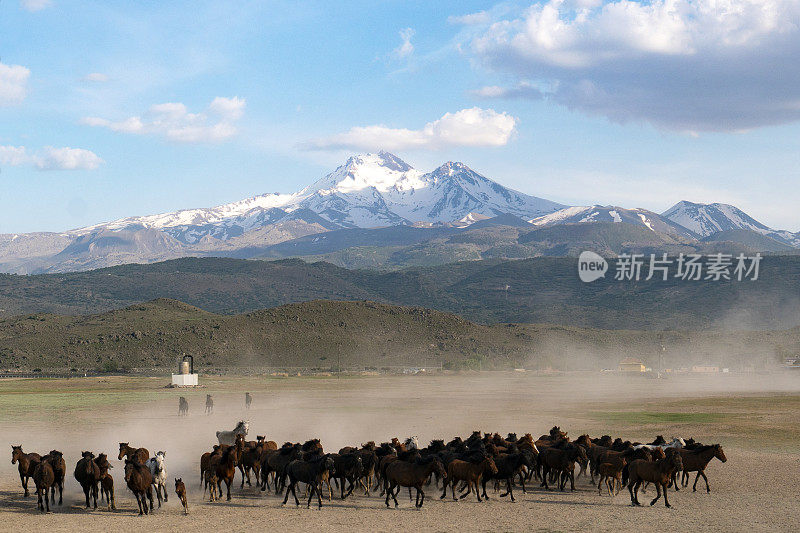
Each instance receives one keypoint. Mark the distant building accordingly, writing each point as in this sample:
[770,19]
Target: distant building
[705,369]
[629,364]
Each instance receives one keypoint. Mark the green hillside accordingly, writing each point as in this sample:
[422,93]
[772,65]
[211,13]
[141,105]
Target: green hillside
[538,290]
[326,334]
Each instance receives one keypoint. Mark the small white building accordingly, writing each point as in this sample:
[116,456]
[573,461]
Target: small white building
[185,376]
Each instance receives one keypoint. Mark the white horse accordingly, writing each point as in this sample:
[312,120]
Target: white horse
[229,437]
[412,443]
[676,442]
[159,472]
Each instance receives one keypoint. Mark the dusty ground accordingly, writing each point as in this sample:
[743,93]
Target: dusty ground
[755,418]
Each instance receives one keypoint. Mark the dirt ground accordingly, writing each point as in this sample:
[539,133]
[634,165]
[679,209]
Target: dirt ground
[756,418]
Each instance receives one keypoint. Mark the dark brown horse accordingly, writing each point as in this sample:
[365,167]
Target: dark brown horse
[657,472]
[88,475]
[224,466]
[56,459]
[183,407]
[696,461]
[26,465]
[141,454]
[43,478]
[411,474]
[140,481]
[106,481]
[309,472]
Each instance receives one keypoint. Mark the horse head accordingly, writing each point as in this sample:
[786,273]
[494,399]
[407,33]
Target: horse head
[719,454]
[412,443]
[123,448]
[16,453]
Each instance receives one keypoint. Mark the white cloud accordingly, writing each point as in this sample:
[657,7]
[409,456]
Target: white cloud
[13,83]
[521,90]
[688,65]
[406,48]
[96,77]
[173,121]
[50,158]
[468,127]
[35,5]
[481,17]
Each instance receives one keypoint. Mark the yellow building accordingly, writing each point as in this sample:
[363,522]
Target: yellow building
[629,364]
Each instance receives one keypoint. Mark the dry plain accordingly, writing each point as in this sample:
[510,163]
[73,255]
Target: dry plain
[755,417]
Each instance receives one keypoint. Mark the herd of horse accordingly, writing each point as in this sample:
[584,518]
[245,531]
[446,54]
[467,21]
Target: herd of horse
[462,465]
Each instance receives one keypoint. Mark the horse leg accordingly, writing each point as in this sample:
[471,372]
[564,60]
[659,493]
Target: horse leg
[150,497]
[510,491]
[139,502]
[702,473]
[697,477]
[318,488]
[86,493]
[421,495]
[658,493]
[666,500]
[158,493]
[395,493]
[386,490]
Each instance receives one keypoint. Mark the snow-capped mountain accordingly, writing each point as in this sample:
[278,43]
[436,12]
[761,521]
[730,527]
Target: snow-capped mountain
[708,219]
[598,213]
[370,190]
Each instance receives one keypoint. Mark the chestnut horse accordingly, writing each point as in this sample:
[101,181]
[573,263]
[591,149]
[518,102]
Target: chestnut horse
[140,454]
[27,464]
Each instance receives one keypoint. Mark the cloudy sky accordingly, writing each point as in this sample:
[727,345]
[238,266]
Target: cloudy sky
[111,109]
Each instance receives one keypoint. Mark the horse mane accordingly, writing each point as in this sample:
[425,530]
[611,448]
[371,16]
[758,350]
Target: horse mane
[704,448]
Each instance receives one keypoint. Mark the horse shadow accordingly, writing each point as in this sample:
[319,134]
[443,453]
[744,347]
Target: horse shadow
[13,501]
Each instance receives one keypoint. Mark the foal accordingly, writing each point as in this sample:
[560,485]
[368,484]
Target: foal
[180,490]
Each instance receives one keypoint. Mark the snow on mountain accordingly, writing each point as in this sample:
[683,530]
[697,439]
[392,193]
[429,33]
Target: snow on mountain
[708,219]
[614,214]
[370,190]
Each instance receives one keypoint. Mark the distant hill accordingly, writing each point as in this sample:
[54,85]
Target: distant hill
[328,335]
[488,291]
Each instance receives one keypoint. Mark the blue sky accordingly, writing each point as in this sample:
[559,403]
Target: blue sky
[577,101]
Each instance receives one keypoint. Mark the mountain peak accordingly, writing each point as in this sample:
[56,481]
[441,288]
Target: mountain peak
[707,219]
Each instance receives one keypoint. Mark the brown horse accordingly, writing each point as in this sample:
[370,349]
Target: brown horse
[405,474]
[56,459]
[224,467]
[657,472]
[141,454]
[27,464]
[309,472]
[43,478]
[696,461]
[88,475]
[180,490]
[183,407]
[610,473]
[140,481]
[470,473]
[106,481]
